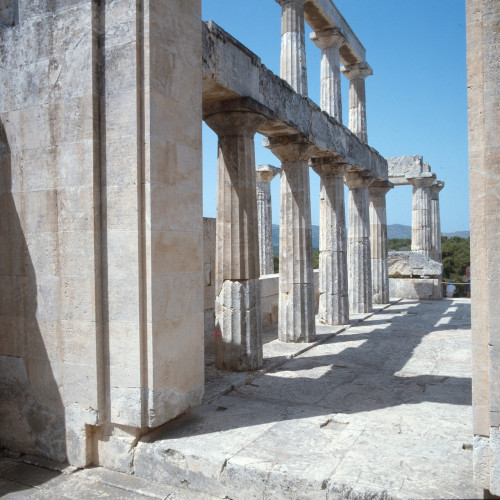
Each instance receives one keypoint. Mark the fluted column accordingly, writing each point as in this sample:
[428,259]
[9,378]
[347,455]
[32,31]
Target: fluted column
[330,41]
[356,74]
[437,253]
[265,174]
[358,243]
[333,283]
[296,322]
[293,67]
[378,241]
[421,234]
[237,288]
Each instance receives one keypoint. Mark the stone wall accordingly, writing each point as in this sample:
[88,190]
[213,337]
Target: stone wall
[101,224]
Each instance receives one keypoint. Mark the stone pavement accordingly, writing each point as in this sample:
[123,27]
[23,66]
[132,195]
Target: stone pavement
[378,410]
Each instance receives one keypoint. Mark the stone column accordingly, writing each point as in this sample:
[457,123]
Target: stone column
[378,241]
[436,253]
[265,174]
[333,287]
[237,288]
[421,234]
[293,67]
[356,74]
[296,322]
[330,41]
[358,243]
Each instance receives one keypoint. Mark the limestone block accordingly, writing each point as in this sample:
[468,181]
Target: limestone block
[420,289]
[481,462]
[401,166]
[413,264]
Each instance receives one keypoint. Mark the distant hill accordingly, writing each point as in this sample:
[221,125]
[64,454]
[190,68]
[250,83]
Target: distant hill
[394,231]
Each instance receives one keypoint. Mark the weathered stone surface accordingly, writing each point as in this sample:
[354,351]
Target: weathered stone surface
[330,41]
[333,284]
[356,74]
[436,253]
[402,167]
[296,303]
[358,243]
[264,176]
[416,289]
[378,242]
[293,68]
[413,264]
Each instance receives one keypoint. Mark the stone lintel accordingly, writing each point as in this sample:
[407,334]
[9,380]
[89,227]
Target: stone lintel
[324,39]
[354,71]
[266,173]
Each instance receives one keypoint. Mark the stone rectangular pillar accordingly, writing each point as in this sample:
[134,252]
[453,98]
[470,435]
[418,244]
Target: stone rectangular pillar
[237,287]
[296,322]
[265,174]
[378,241]
[358,243]
[356,74]
[333,282]
[293,67]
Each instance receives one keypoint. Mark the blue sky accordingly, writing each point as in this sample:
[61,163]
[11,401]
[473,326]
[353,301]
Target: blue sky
[416,98]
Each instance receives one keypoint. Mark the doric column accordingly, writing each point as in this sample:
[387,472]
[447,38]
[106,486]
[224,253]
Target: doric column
[421,234]
[378,241]
[237,288]
[265,174]
[333,283]
[296,321]
[358,243]
[436,253]
[356,74]
[330,41]
[293,67]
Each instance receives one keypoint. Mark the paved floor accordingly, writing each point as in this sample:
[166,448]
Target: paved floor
[379,410]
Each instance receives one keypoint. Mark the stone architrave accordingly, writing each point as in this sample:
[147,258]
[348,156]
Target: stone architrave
[436,253]
[296,322]
[421,231]
[293,67]
[330,41]
[264,175]
[378,241]
[356,74]
[358,243]
[237,288]
[333,282]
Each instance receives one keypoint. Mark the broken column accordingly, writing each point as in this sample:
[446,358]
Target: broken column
[358,243]
[436,253]
[356,74]
[421,234]
[265,174]
[378,241]
[333,288]
[237,288]
[293,50]
[296,322]
[330,41]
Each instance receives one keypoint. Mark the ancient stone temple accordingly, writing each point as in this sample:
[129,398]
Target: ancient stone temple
[105,283]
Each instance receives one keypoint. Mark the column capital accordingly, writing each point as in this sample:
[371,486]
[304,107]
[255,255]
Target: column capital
[355,180]
[285,2]
[436,187]
[324,39]
[290,148]
[354,71]
[380,188]
[326,166]
[266,173]
[425,179]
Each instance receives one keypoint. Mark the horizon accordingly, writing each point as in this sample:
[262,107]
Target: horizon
[416,98]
